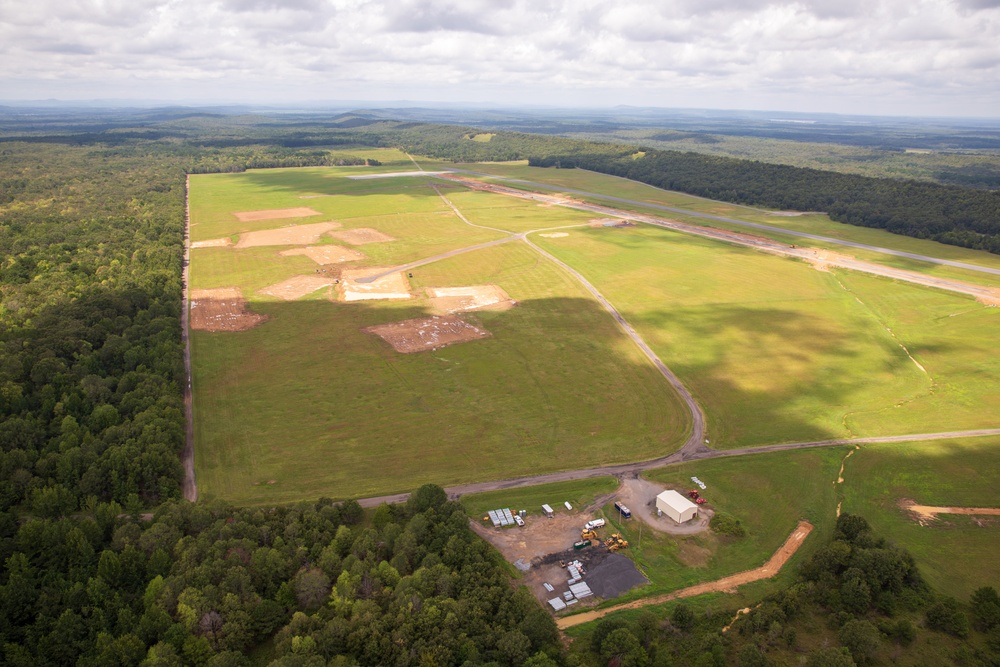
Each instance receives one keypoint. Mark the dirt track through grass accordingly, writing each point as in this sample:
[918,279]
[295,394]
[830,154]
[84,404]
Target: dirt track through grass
[724,585]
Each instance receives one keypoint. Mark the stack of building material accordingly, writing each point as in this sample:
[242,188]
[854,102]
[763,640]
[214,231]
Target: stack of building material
[580,590]
[557,604]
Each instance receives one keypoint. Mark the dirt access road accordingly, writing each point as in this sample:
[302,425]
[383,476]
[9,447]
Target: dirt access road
[726,584]
[985,294]
[733,221]
[189,487]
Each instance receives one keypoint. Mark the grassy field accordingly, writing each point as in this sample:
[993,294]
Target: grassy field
[769,494]
[579,494]
[815,223]
[956,554]
[776,351]
[306,405]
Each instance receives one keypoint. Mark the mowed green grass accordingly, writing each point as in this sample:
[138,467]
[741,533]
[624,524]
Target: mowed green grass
[768,493]
[956,554]
[814,223]
[772,349]
[311,403]
[580,494]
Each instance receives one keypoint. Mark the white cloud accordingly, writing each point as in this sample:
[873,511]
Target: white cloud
[881,55]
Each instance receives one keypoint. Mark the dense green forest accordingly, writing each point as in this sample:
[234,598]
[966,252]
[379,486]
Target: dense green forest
[949,214]
[104,566]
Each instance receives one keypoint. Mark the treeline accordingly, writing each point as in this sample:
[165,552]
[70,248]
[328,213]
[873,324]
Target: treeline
[858,601]
[957,216]
[90,343]
[209,584]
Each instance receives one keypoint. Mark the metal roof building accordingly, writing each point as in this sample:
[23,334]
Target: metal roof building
[676,506]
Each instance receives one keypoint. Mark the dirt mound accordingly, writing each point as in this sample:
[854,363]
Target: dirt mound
[275,214]
[212,243]
[297,287]
[325,254]
[473,297]
[427,333]
[392,286]
[294,235]
[362,235]
[222,309]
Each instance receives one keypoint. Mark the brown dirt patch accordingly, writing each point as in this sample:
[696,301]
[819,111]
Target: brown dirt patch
[821,259]
[924,514]
[222,309]
[212,243]
[297,287]
[639,495]
[294,235]
[276,214]
[427,333]
[554,235]
[392,286]
[724,585]
[473,297]
[362,235]
[693,555]
[325,254]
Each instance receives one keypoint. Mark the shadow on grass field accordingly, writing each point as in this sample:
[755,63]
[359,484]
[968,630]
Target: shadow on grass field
[956,554]
[311,402]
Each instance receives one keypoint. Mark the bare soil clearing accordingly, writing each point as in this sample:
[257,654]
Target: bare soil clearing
[325,254]
[639,495]
[362,235]
[276,214]
[212,243]
[392,286]
[473,297]
[924,514]
[724,585]
[297,287]
[294,235]
[222,309]
[427,333]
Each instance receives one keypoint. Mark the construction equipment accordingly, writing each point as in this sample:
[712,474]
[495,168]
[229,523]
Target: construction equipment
[588,534]
[616,542]
[582,544]
[693,495]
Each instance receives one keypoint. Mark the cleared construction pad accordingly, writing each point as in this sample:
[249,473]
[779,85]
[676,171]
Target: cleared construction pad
[392,286]
[427,333]
[294,235]
[297,287]
[362,235]
[212,243]
[325,254]
[473,297]
[222,309]
[276,214]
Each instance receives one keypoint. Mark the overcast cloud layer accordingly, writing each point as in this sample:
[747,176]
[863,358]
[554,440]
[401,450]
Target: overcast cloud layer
[914,57]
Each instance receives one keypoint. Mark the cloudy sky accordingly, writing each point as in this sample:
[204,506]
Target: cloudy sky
[913,57]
